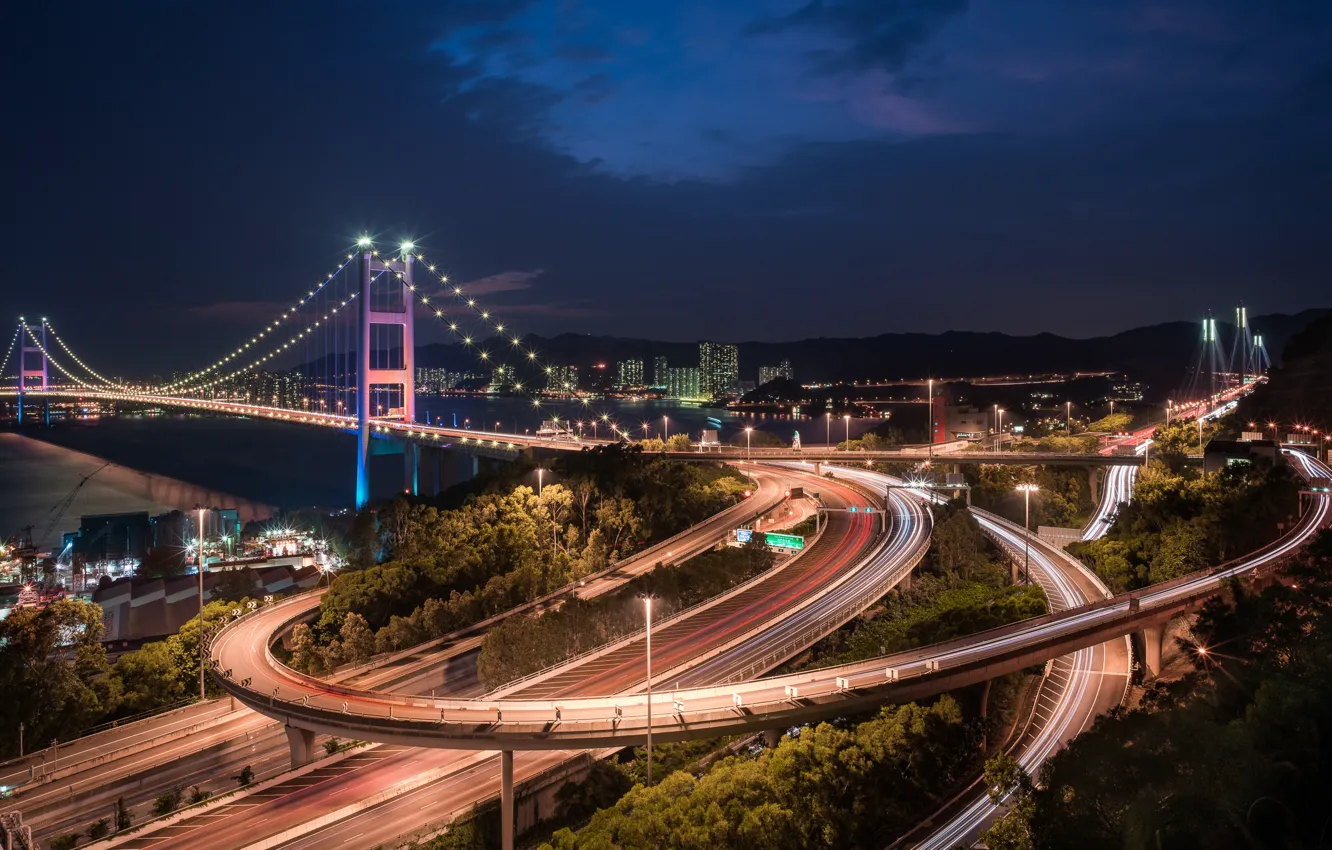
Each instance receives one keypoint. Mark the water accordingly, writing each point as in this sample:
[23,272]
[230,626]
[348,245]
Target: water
[228,461]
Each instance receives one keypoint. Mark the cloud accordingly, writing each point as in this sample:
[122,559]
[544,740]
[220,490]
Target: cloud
[513,281]
[866,34]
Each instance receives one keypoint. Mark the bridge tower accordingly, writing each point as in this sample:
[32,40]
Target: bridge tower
[32,377]
[385,355]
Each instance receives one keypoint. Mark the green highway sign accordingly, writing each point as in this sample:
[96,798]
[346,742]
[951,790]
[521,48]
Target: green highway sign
[784,541]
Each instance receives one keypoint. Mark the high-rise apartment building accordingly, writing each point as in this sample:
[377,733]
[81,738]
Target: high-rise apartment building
[659,371]
[718,369]
[562,379]
[683,383]
[501,379]
[772,373]
[629,373]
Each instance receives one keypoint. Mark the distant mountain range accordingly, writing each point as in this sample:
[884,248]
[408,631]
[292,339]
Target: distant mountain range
[1157,355]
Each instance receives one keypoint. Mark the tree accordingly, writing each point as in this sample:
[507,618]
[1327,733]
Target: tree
[246,776]
[168,802]
[164,562]
[124,820]
[305,656]
[100,829]
[358,642]
[1009,785]
[148,678]
[54,659]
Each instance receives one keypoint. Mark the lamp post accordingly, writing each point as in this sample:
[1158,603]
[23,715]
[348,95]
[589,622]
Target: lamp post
[748,431]
[202,665]
[930,402]
[847,419]
[1027,490]
[665,428]
[999,446]
[1273,426]
[1169,404]
[647,608]
[541,471]
[827,427]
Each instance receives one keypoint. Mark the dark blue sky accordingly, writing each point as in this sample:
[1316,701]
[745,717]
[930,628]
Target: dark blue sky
[754,169]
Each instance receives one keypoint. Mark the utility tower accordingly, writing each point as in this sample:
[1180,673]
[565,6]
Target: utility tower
[385,354]
[32,377]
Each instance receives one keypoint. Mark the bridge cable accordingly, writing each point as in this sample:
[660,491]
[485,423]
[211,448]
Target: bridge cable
[254,340]
[10,351]
[85,366]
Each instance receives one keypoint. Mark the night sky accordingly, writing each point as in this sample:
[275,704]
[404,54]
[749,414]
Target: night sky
[749,169]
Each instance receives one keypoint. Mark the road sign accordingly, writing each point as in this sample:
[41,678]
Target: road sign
[784,541]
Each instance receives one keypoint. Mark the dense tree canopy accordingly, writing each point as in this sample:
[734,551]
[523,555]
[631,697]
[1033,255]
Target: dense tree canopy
[828,787]
[1234,755]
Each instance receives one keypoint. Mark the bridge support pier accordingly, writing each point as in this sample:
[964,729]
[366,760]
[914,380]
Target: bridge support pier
[818,468]
[411,467]
[506,800]
[771,738]
[905,584]
[1152,637]
[301,743]
[1094,481]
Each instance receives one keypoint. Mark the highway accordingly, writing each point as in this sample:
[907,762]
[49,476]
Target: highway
[803,582]
[591,722]
[207,744]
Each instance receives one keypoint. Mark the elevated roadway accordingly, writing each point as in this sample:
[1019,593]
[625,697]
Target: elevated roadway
[845,552]
[590,722]
[823,454]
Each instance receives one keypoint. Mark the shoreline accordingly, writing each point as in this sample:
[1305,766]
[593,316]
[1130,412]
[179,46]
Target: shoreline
[37,477]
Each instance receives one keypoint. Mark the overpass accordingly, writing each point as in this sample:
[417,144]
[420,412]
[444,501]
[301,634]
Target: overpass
[242,654]
[735,454]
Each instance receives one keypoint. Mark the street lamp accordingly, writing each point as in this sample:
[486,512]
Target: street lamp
[647,608]
[1068,417]
[665,428]
[999,436]
[1273,426]
[1027,490]
[847,419]
[1169,404]
[930,402]
[827,427]
[748,431]
[541,471]
[202,665]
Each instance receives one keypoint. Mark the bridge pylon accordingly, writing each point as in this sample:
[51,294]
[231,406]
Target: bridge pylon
[385,355]
[32,377]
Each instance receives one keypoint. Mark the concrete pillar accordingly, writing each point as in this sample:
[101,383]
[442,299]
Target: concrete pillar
[1094,479]
[905,584]
[1152,637]
[1013,563]
[985,709]
[506,800]
[301,743]
[411,468]
[818,467]
[771,737]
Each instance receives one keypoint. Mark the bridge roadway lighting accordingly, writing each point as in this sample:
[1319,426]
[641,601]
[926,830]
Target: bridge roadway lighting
[364,242]
[1027,490]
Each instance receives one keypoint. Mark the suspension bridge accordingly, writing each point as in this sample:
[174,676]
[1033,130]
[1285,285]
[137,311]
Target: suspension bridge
[343,356]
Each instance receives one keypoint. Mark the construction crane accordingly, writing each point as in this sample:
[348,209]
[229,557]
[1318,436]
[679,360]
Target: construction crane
[59,508]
